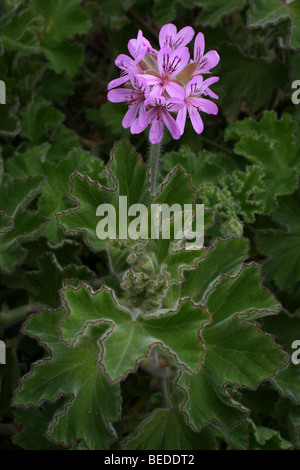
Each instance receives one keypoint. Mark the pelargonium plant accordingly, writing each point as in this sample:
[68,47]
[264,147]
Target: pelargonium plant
[161,84]
[179,324]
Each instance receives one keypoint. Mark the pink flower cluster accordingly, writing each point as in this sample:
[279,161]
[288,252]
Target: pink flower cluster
[159,84]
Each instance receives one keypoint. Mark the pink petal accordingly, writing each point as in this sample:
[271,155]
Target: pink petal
[163,59]
[118,95]
[208,61]
[118,82]
[211,94]
[137,127]
[170,62]
[151,115]
[196,120]
[199,47]
[174,104]
[171,125]
[158,89]
[167,35]
[155,100]
[135,44]
[124,62]
[131,114]
[183,37]
[139,83]
[204,105]
[181,119]
[143,122]
[175,90]
[156,130]
[206,85]
[151,79]
[210,81]
[194,87]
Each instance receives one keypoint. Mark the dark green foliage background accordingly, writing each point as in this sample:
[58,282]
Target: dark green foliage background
[56,58]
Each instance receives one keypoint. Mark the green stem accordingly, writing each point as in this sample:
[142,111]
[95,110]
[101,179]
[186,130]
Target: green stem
[165,390]
[154,158]
[13,316]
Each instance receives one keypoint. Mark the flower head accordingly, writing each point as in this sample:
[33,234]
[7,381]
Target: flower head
[158,85]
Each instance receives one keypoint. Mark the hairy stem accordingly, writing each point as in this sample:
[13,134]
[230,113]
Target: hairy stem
[165,390]
[154,159]
[13,316]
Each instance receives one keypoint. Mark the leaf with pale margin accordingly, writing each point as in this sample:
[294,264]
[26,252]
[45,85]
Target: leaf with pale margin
[263,438]
[178,436]
[215,10]
[15,197]
[166,430]
[127,176]
[5,222]
[35,423]
[37,282]
[204,167]
[284,328]
[270,144]
[130,339]
[73,372]
[20,30]
[54,196]
[287,381]
[247,190]
[224,257]
[237,353]
[265,13]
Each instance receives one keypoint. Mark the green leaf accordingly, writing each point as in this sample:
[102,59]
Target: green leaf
[110,115]
[62,21]
[64,57]
[237,352]
[9,122]
[282,247]
[247,191]
[127,176]
[215,10]
[5,222]
[288,415]
[270,144]
[15,197]
[274,11]
[20,29]
[133,336]
[74,372]
[262,77]
[164,11]
[287,381]
[203,167]
[56,87]
[206,401]
[39,120]
[165,430]
[35,423]
[37,282]
[54,196]
[262,438]
[225,257]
